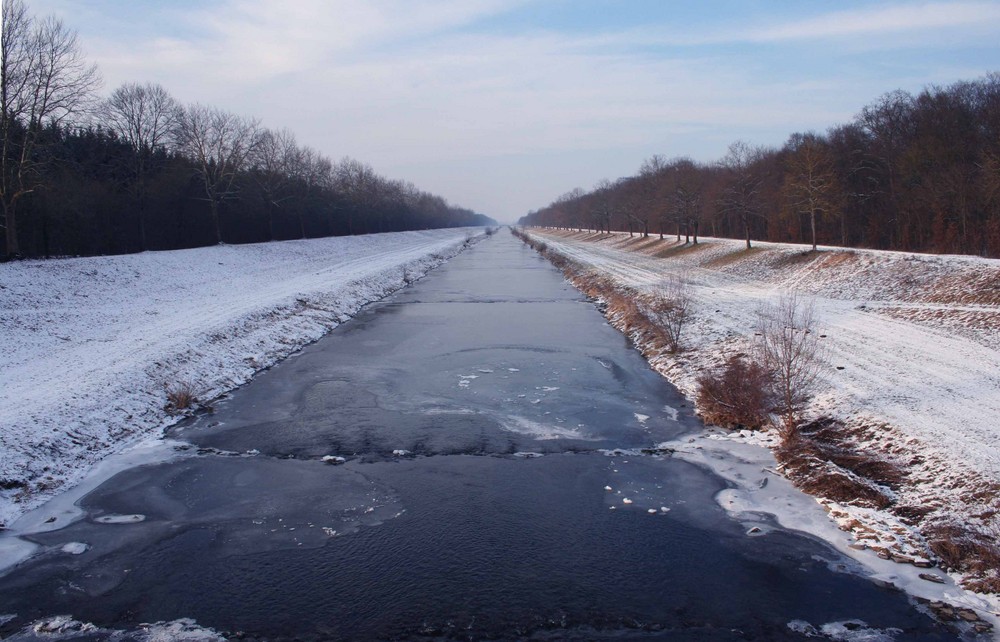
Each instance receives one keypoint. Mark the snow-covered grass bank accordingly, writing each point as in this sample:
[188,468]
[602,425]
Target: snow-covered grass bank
[89,347]
[912,373]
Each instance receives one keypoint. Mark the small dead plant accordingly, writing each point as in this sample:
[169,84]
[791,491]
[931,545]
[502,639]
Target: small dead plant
[738,396]
[670,308]
[180,397]
[788,347]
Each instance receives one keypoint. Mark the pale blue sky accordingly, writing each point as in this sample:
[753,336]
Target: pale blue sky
[503,105]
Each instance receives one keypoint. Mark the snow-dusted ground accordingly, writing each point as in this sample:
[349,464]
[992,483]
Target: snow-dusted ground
[912,341]
[88,347]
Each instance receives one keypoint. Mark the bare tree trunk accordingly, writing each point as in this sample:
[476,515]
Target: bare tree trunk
[215,222]
[10,221]
[812,222]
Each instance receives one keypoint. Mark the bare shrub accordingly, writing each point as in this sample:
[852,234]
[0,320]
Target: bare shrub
[180,397]
[788,347]
[670,307]
[736,397]
[970,549]
[825,479]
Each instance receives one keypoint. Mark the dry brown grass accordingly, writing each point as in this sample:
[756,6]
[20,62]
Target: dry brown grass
[180,397]
[970,549]
[733,257]
[673,249]
[822,462]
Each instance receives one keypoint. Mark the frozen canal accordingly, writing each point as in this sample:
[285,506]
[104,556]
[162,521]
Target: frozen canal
[479,498]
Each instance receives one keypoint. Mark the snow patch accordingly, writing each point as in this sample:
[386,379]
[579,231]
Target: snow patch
[75,548]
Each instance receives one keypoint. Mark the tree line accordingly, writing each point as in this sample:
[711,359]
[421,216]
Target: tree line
[910,172]
[139,171]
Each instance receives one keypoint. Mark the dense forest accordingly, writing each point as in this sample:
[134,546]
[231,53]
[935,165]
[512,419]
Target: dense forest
[137,171]
[910,172]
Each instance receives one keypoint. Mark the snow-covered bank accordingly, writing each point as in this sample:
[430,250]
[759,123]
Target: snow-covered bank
[88,347]
[913,367]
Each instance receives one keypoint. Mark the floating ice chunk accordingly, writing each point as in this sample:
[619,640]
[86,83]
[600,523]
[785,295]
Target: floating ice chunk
[75,548]
[607,488]
[651,511]
[485,371]
[333,460]
[253,452]
[513,370]
[120,519]
[549,388]
[527,455]
[664,509]
[671,412]
[642,419]
[399,452]
[626,501]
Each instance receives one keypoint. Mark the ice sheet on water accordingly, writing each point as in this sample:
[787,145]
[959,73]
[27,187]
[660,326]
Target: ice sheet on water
[65,627]
[134,518]
[75,548]
[845,631]
[538,430]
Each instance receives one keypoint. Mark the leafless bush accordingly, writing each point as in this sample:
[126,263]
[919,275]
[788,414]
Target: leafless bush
[671,308]
[788,347]
[970,549]
[736,397]
[180,396]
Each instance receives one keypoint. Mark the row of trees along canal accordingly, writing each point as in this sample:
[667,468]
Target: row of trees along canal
[138,171]
[915,173]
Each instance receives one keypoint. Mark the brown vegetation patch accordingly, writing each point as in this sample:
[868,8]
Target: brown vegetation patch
[676,249]
[180,397]
[736,396]
[833,441]
[733,257]
[979,286]
[837,259]
[969,549]
[816,469]
[791,259]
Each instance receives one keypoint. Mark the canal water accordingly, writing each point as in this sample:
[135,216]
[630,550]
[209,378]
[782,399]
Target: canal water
[473,458]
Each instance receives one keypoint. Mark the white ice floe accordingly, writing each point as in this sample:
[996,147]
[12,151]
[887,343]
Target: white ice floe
[133,518]
[538,430]
[75,548]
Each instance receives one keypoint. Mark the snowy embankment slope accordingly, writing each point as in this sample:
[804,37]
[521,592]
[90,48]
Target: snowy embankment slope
[89,346]
[913,354]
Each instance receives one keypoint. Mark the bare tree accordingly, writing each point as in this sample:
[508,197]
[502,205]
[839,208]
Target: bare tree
[671,307]
[273,164]
[144,116]
[361,184]
[741,197]
[810,180]
[788,347]
[220,144]
[44,80]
